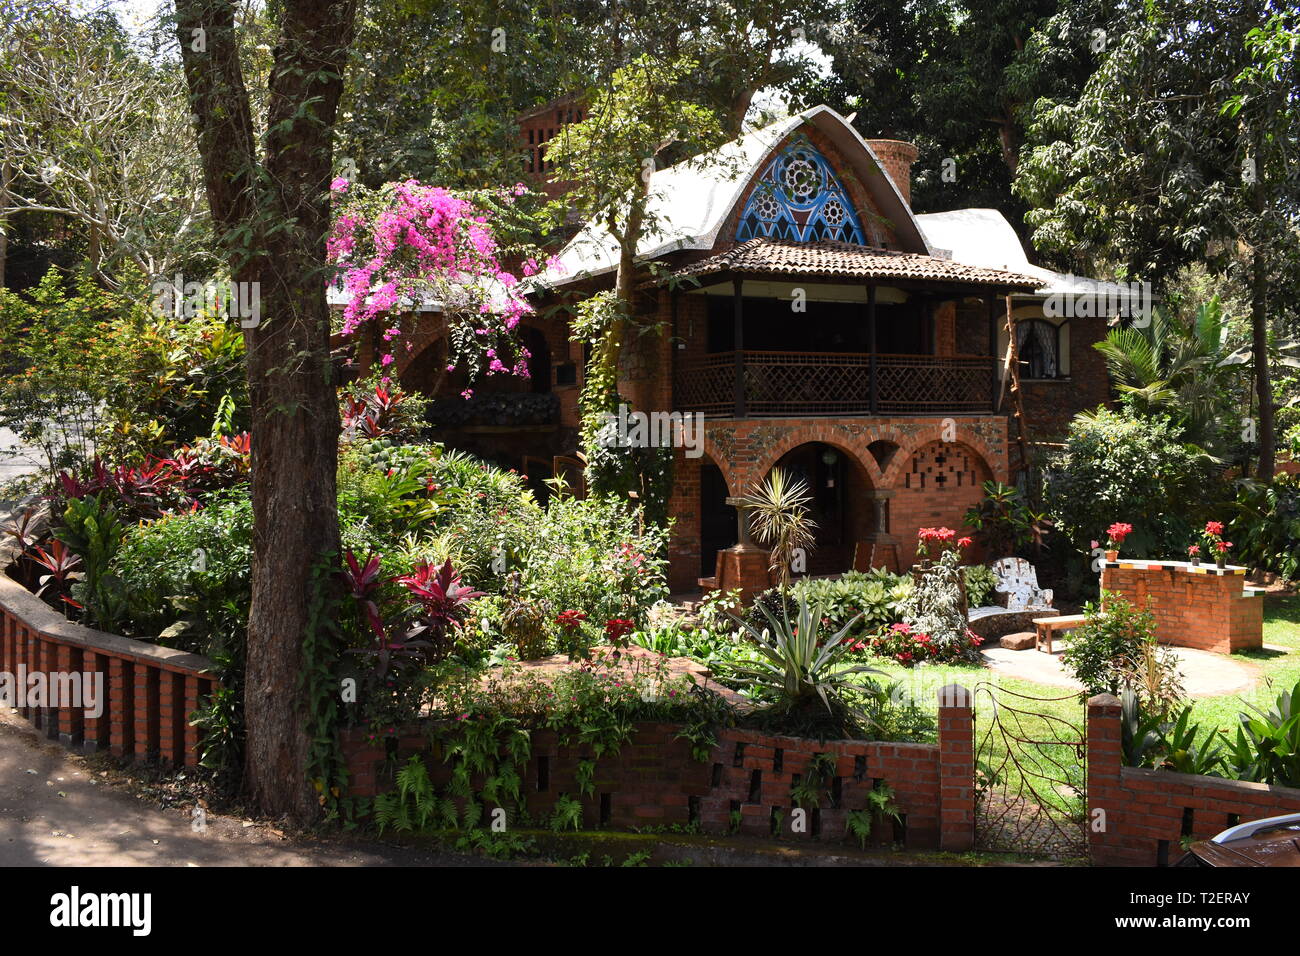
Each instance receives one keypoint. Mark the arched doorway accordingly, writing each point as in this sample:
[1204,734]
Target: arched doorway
[717,518]
[841,503]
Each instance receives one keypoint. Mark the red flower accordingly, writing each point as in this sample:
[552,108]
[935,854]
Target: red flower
[1194,549]
[570,620]
[964,542]
[1222,546]
[617,628]
[1214,527]
[1118,531]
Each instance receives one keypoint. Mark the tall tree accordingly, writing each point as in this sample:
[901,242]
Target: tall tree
[1178,151]
[95,135]
[270,210]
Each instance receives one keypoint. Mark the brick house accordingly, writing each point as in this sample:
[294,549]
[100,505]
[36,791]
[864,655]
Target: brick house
[815,323]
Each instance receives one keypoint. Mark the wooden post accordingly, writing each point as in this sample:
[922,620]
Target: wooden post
[1017,405]
[994,396]
[737,295]
[871,347]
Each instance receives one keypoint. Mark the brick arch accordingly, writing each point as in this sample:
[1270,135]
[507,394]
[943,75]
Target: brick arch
[908,447]
[714,456]
[934,483]
[806,434]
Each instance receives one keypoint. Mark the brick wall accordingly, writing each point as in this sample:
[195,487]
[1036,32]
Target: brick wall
[654,780]
[149,691]
[1050,405]
[1206,608]
[1146,814]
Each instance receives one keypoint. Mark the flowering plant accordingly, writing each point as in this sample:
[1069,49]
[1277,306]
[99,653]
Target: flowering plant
[617,629]
[1116,534]
[407,242]
[940,537]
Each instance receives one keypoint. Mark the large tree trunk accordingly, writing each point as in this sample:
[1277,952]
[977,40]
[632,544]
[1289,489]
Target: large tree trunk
[272,220]
[1263,378]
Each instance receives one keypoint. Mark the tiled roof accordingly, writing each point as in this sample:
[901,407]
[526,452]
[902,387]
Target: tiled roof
[841,259]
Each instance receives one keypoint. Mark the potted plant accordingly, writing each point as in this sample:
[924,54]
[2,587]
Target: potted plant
[1115,536]
[1194,554]
[1213,538]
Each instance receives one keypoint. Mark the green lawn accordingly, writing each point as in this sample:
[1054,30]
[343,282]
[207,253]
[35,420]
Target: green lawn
[1280,671]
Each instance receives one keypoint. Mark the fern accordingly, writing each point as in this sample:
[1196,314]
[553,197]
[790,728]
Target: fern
[859,825]
[567,814]
[585,776]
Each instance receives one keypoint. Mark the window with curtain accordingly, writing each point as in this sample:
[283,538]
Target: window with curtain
[1038,343]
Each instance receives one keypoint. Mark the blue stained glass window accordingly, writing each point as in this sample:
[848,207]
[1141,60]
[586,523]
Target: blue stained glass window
[799,197]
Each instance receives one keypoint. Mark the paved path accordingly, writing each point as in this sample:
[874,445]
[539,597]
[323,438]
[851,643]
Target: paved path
[1205,674]
[56,810]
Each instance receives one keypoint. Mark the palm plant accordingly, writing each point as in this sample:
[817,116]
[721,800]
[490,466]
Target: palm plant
[779,520]
[798,666]
[1183,370]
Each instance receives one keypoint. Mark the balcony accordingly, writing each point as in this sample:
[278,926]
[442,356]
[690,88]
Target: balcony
[754,384]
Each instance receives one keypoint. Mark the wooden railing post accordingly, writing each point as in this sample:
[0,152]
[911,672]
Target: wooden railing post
[872,371]
[737,294]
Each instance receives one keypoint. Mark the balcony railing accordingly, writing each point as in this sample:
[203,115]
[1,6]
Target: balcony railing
[834,383]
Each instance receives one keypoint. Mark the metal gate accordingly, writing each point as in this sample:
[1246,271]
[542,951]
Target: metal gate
[1030,774]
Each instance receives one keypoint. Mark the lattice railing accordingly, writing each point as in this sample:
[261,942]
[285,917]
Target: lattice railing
[835,383]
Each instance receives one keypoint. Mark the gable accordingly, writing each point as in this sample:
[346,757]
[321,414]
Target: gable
[799,196]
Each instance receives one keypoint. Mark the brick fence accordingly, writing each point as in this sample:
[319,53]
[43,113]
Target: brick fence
[1203,607]
[1146,814]
[746,781]
[148,691]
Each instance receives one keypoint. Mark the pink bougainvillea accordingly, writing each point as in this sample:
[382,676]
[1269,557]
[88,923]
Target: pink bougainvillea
[407,243]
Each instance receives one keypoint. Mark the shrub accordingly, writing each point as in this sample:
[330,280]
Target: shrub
[802,670]
[187,576]
[1100,653]
[1266,525]
[1005,525]
[1116,463]
[937,609]
[981,583]
[867,601]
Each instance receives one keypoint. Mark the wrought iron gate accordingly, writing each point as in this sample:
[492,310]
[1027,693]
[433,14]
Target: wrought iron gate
[1030,775]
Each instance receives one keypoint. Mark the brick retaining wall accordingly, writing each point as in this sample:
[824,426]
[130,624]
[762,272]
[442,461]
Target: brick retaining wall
[1148,813]
[654,780]
[149,691]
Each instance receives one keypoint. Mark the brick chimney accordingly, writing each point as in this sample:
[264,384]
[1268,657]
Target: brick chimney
[897,157]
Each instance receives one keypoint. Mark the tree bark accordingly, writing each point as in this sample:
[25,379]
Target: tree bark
[272,219]
[1267,463]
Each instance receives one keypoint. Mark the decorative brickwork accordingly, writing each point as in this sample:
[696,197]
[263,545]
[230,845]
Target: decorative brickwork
[1205,608]
[148,691]
[745,783]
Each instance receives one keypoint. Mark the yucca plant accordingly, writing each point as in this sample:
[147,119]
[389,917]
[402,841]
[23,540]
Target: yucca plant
[800,667]
[779,520]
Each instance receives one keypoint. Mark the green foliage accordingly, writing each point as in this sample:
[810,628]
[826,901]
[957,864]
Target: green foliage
[1117,466]
[567,814]
[981,583]
[90,373]
[802,670]
[1099,649]
[880,807]
[92,529]
[413,805]
[865,601]
[1267,746]
[1005,525]
[1265,526]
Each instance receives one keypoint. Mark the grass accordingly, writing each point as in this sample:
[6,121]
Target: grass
[1280,669]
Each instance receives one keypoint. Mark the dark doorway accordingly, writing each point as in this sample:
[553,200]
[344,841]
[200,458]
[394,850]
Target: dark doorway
[717,518]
